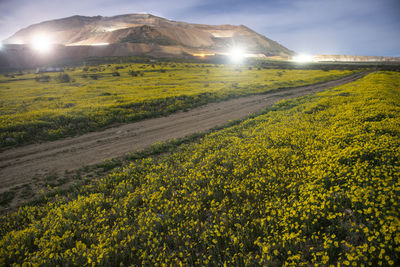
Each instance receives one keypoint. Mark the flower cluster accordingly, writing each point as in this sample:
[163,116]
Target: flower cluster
[312,181]
[32,110]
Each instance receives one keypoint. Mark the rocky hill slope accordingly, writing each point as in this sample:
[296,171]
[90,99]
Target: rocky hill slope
[136,34]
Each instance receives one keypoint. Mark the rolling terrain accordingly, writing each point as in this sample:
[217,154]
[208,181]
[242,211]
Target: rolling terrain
[148,29]
[314,180]
[21,165]
[135,140]
[81,37]
[38,107]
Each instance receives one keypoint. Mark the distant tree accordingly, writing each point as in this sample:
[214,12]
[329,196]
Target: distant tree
[116,73]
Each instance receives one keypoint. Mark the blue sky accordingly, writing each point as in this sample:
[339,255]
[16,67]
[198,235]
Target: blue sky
[352,27]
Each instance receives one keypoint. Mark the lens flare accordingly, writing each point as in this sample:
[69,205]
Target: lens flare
[303,58]
[42,43]
[99,44]
[237,54]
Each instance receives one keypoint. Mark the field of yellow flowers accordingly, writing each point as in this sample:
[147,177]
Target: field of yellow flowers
[50,106]
[312,181]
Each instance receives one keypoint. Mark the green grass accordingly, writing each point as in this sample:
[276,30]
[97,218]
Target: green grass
[92,98]
[313,181]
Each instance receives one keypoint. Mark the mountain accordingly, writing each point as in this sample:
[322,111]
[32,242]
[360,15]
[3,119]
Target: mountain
[137,34]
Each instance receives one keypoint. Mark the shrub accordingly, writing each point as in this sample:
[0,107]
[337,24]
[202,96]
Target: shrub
[42,78]
[133,73]
[64,78]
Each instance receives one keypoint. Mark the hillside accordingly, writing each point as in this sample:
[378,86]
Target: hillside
[138,34]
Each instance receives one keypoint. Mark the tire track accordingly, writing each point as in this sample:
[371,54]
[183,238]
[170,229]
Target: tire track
[20,165]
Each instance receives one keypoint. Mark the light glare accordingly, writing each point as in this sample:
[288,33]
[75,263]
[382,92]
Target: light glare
[42,43]
[99,44]
[302,58]
[237,54]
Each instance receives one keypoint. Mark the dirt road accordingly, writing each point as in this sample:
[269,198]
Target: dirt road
[20,165]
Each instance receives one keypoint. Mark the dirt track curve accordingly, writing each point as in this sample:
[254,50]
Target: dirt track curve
[20,165]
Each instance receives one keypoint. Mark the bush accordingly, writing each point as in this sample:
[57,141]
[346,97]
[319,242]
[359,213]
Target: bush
[133,73]
[6,197]
[64,78]
[136,73]
[43,78]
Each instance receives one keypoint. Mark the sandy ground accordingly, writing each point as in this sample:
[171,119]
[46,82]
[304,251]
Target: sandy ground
[22,164]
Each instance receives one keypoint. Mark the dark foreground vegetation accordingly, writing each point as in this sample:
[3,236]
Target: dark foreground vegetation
[314,180]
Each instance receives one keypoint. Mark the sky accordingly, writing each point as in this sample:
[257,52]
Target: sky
[349,27]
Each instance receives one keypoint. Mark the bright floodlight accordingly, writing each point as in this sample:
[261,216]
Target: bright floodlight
[99,44]
[42,43]
[302,58]
[237,54]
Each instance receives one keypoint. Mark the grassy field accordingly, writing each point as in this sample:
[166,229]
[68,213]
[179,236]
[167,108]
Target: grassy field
[314,180]
[49,106]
